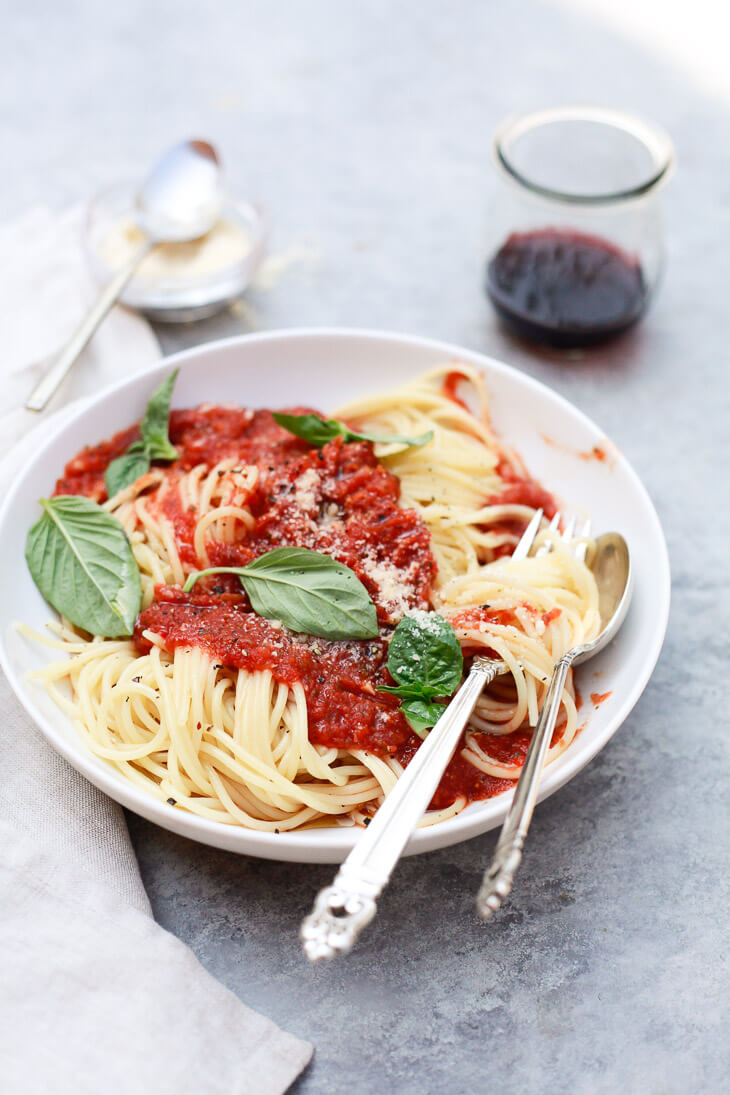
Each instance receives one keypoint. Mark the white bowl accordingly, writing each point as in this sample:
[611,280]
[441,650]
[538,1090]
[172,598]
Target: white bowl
[324,368]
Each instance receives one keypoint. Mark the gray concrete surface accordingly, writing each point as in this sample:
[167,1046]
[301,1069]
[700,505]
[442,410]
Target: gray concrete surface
[365,128]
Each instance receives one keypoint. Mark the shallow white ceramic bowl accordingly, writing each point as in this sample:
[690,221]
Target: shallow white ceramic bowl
[325,368]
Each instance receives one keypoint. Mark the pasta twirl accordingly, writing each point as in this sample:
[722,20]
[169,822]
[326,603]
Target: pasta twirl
[255,737]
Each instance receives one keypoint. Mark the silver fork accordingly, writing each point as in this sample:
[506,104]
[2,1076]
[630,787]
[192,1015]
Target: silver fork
[343,909]
[498,880]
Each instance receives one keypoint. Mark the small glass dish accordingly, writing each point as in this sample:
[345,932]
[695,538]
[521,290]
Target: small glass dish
[577,244]
[178,298]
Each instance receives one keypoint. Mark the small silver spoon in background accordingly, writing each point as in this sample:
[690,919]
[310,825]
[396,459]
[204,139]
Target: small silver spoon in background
[611,566]
[180,200]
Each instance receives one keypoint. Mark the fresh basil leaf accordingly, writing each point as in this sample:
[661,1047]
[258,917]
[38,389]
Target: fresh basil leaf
[125,470]
[425,661]
[422,714]
[82,562]
[152,444]
[310,427]
[424,653]
[155,424]
[318,431]
[308,591]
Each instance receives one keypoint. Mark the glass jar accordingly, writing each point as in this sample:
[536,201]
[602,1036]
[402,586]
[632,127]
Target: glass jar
[577,246]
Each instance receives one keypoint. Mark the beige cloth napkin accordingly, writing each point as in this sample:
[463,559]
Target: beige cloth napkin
[94,995]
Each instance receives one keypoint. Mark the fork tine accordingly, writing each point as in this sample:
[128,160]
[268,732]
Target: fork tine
[528,536]
[553,527]
[567,535]
[582,549]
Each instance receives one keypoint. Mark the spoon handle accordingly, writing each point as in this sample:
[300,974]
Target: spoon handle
[343,909]
[497,882]
[48,384]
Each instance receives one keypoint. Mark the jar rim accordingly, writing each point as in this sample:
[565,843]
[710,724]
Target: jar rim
[656,142]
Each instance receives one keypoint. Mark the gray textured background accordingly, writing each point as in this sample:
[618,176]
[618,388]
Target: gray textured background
[365,128]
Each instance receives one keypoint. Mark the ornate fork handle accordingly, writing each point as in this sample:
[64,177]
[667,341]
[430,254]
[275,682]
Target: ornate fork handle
[497,882]
[343,909]
[340,913]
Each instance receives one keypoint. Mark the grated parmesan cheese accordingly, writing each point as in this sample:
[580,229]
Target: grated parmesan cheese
[391,583]
[427,620]
[305,489]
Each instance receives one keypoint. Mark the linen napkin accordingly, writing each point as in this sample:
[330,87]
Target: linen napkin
[94,995]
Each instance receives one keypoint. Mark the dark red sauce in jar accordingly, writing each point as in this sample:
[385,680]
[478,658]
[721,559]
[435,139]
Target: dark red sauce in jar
[565,288]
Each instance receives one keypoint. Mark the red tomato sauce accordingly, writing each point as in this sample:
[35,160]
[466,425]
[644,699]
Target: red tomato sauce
[338,500]
[339,678]
[460,780]
[520,490]
[597,698]
[450,388]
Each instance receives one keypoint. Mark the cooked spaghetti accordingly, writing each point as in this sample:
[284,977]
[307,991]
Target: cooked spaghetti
[216,710]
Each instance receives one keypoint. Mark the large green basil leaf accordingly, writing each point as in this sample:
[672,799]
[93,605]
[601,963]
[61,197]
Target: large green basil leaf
[82,562]
[308,591]
[318,431]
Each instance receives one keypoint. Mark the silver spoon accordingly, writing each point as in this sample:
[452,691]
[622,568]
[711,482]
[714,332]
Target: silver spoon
[611,566]
[180,200]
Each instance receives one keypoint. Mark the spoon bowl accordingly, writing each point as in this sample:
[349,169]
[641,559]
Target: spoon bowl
[181,198]
[611,567]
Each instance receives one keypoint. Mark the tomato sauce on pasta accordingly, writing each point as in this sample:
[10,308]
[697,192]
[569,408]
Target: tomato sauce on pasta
[217,710]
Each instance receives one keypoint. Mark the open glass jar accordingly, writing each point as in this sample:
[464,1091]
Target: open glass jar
[577,245]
